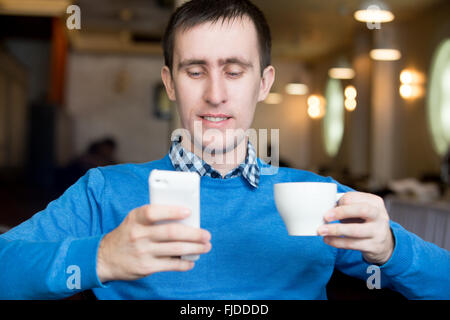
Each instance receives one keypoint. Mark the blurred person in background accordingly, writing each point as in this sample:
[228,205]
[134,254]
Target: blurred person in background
[98,154]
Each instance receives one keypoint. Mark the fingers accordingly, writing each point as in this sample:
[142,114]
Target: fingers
[351,230]
[178,232]
[370,235]
[361,197]
[348,243]
[363,211]
[153,213]
[165,256]
[171,249]
[173,264]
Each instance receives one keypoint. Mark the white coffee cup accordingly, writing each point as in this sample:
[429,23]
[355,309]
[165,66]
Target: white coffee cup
[302,205]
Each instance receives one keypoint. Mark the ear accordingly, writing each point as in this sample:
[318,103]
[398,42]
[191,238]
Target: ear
[267,80]
[166,77]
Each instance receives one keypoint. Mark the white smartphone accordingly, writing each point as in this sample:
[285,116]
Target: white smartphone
[179,189]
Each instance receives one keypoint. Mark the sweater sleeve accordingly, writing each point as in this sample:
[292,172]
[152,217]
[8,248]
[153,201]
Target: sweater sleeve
[53,255]
[417,269]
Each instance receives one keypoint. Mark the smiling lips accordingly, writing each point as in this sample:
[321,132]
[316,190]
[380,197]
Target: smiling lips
[216,120]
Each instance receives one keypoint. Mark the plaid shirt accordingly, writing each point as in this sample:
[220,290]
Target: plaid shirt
[183,160]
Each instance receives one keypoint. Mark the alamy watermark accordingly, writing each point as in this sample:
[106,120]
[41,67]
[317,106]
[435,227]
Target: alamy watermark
[222,145]
[74,280]
[374,280]
[74,20]
[371,24]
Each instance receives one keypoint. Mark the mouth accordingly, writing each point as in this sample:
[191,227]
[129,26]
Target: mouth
[215,118]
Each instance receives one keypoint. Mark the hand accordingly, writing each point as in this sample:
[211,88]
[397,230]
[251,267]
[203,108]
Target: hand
[372,235]
[139,247]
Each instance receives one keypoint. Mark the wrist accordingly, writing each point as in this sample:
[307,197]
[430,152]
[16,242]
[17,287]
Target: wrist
[391,247]
[104,272]
[384,257]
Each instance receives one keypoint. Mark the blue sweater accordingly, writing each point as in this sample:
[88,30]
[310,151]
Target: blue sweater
[252,256]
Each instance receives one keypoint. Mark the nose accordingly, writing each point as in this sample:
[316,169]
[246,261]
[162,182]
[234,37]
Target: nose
[215,92]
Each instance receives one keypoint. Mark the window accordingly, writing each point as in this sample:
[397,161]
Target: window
[438,99]
[333,122]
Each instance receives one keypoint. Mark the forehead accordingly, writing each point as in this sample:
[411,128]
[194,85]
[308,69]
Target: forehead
[218,41]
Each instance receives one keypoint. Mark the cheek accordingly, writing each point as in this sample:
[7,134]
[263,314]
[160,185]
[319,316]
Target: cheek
[246,98]
[186,101]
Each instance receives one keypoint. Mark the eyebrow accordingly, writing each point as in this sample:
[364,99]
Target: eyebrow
[232,60]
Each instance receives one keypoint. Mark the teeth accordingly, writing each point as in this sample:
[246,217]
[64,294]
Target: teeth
[214,119]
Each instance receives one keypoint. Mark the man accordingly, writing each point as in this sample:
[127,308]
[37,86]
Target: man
[217,67]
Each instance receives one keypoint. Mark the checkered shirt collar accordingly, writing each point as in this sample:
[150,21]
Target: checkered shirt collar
[183,160]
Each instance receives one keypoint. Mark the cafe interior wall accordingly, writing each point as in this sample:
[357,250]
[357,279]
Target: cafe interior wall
[289,117]
[406,148]
[414,152]
[110,94]
[320,161]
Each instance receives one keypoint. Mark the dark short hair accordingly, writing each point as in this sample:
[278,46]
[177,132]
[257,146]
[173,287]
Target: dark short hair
[196,12]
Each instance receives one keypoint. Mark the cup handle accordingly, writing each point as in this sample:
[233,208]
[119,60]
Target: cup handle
[339,196]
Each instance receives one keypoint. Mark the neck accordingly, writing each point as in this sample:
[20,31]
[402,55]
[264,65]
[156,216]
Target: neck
[222,162]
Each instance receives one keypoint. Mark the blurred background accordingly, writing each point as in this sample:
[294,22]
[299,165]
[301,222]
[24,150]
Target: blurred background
[362,93]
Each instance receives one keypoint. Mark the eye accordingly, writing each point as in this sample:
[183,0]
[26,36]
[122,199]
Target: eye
[195,74]
[234,71]
[234,74]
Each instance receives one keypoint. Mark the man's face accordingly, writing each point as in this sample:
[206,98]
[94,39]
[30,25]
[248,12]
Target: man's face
[216,81]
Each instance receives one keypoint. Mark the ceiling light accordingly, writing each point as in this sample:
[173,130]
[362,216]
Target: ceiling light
[411,84]
[316,106]
[406,91]
[374,14]
[350,98]
[385,54]
[314,112]
[350,92]
[296,89]
[341,73]
[342,69]
[350,104]
[408,76]
[273,98]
